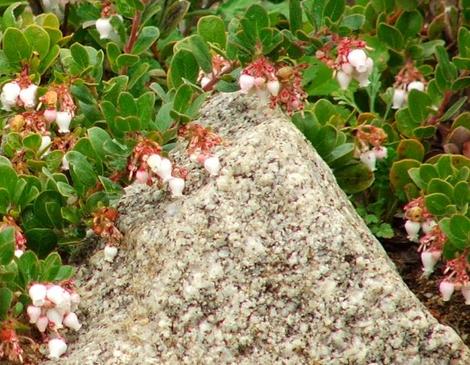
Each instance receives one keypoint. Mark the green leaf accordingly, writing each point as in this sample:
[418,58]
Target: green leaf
[147,36]
[7,245]
[295,15]
[65,273]
[451,111]
[418,104]
[6,297]
[80,55]
[410,23]
[83,173]
[437,203]
[41,240]
[399,173]
[50,267]
[39,39]
[28,267]
[440,186]
[198,47]
[334,9]
[391,36]
[354,178]
[183,66]
[16,46]
[353,21]
[410,148]
[47,208]
[460,227]
[49,59]
[173,16]
[8,179]
[212,29]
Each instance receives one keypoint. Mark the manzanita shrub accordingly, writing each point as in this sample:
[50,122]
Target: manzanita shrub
[95,94]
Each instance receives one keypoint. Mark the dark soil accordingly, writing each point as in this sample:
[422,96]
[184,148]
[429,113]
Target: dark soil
[407,260]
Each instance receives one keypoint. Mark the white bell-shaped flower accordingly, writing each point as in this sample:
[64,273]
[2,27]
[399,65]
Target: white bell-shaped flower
[54,316]
[141,176]
[205,81]
[55,294]
[358,59]
[154,161]
[428,225]
[447,289]
[9,95]
[429,260]
[28,96]
[42,323]
[399,98]
[412,229]
[369,159]
[71,321]
[110,253]
[344,79]
[416,85]
[57,347]
[176,185]
[104,28]
[19,253]
[165,169]
[38,293]
[273,87]
[50,115]
[380,152]
[246,83]
[212,165]
[33,313]
[63,120]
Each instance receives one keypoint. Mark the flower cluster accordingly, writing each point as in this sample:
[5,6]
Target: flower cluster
[370,141]
[220,66]
[409,78]
[104,225]
[351,62]
[457,278]
[283,85]
[53,307]
[201,142]
[19,93]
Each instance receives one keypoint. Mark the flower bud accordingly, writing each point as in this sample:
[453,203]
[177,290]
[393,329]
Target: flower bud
[154,161]
[110,253]
[28,96]
[205,81]
[65,164]
[37,293]
[104,27]
[33,313]
[369,159]
[42,323]
[63,120]
[19,253]
[399,98]
[55,317]
[380,152]
[57,347]
[416,85]
[55,294]
[357,58]
[246,83]
[428,225]
[273,87]
[343,79]
[176,185]
[71,321]
[50,115]
[412,228]
[212,165]
[446,288]
[466,293]
[141,176]
[164,170]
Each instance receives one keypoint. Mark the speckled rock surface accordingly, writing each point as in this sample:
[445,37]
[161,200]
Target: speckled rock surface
[266,264]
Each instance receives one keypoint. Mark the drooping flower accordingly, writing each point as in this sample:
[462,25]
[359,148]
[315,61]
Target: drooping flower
[9,96]
[110,253]
[28,96]
[71,321]
[447,289]
[176,185]
[104,28]
[57,347]
[212,165]
[63,120]
[37,293]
